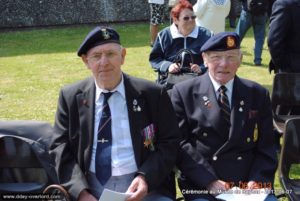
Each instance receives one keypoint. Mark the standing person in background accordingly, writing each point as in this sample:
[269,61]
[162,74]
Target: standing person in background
[284,36]
[235,10]
[112,130]
[211,14]
[182,34]
[284,45]
[271,2]
[171,4]
[255,16]
[156,18]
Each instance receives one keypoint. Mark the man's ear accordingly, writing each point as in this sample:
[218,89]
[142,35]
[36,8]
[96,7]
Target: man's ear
[204,56]
[123,54]
[241,57]
[85,61]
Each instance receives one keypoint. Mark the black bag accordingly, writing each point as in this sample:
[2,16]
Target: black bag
[25,162]
[257,7]
[183,58]
[179,77]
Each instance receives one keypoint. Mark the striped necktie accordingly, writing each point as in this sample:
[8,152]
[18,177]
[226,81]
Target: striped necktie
[224,104]
[104,142]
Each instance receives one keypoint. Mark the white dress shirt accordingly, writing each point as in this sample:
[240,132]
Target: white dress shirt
[228,85]
[122,154]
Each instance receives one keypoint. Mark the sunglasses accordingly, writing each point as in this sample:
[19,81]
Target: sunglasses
[186,18]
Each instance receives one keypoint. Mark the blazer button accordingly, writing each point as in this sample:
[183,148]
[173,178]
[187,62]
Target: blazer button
[204,134]
[215,158]
[239,158]
[248,139]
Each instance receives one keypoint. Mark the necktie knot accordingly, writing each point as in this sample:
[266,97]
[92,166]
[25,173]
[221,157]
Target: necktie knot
[224,105]
[222,89]
[107,95]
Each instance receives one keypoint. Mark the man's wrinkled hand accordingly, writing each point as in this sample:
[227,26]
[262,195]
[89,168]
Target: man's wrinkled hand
[217,187]
[138,188]
[252,185]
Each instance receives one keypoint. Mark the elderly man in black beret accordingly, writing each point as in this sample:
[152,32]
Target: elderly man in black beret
[114,131]
[226,122]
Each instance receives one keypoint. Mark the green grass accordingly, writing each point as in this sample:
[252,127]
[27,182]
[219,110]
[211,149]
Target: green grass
[36,63]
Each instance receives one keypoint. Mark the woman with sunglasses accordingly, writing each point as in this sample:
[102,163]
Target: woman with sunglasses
[181,34]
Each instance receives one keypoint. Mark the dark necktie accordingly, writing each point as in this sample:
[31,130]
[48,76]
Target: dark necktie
[104,142]
[224,104]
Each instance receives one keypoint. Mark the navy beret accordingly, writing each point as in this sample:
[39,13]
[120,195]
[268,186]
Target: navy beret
[98,36]
[221,42]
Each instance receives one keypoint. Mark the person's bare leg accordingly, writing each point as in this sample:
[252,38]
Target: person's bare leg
[153,32]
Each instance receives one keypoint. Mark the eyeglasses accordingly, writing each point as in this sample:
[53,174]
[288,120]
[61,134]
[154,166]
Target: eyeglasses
[97,57]
[186,18]
[229,58]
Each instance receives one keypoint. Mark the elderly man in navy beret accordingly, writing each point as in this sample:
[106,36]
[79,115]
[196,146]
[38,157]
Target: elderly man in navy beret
[226,122]
[114,131]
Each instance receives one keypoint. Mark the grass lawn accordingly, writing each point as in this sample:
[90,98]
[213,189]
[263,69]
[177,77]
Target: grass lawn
[36,63]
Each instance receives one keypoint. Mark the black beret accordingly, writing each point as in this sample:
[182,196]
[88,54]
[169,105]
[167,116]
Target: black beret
[98,36]
[221,42]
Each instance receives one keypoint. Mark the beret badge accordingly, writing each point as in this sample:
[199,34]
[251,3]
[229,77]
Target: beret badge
[105,34]
[230,42]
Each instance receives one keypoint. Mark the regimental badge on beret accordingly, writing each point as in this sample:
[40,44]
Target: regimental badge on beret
[230,42]
[105,34]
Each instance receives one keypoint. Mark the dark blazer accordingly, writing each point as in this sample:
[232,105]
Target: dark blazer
[74,125]
[283,37]
[206,153]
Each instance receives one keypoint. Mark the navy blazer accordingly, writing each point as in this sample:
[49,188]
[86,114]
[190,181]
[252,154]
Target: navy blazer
[283,36]
[74,126]
[206,152]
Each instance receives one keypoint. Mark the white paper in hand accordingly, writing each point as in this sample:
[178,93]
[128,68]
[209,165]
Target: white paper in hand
[237,194]
[109,195]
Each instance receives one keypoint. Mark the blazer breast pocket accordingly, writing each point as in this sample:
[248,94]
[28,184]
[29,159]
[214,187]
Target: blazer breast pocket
[251,120]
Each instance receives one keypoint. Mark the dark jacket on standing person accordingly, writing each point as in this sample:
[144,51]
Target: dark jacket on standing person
[283,37]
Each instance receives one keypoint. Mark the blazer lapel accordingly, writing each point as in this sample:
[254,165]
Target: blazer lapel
[85,100]
[136,114]
[208,102]
[240,108]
